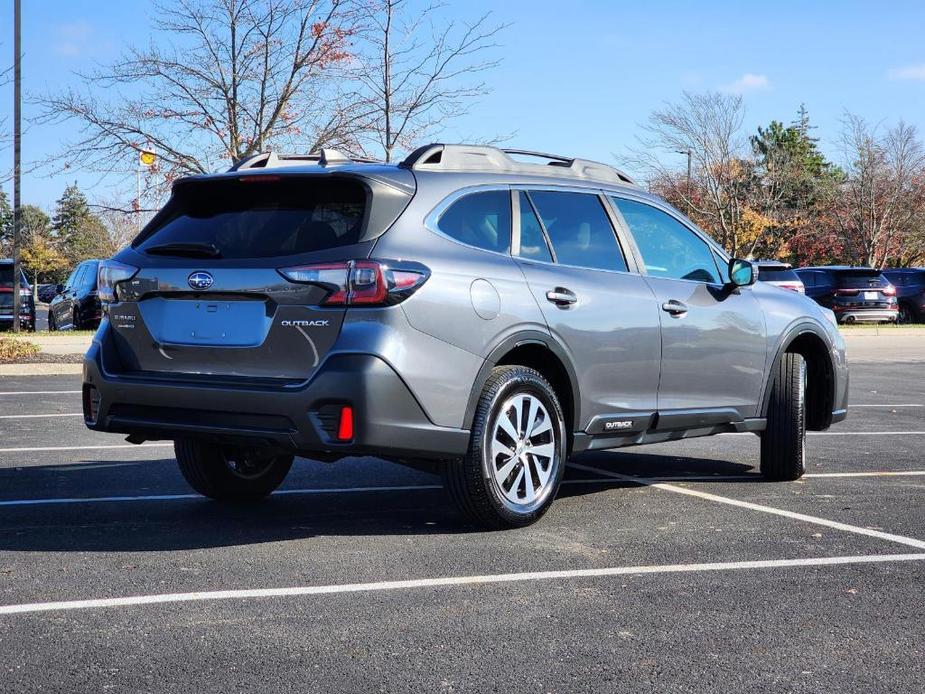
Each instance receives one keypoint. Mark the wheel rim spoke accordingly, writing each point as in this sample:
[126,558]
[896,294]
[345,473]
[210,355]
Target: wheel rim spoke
[523,450]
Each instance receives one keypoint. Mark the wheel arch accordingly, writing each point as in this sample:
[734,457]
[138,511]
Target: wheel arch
[541,352]
[810,342]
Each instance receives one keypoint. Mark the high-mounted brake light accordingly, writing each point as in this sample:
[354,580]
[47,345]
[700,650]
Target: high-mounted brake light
[361,282]
[109,274]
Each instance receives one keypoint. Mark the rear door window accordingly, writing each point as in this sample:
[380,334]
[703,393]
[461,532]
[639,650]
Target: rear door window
[669,249]
[532,239]
[253,218]
[579,230]
[480,219]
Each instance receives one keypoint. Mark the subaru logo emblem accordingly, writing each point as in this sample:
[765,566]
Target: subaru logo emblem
[200,280]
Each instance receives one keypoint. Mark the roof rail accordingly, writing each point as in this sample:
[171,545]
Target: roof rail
[272,160]
[445,157]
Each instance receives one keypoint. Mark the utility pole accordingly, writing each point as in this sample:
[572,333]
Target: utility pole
[17,158]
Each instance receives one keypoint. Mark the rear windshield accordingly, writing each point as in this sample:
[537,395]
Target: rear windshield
[852,279]
[260,219]
[6,277]
[777,274]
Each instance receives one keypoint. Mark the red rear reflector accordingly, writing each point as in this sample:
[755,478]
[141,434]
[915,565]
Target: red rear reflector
[345,424]
[265,178]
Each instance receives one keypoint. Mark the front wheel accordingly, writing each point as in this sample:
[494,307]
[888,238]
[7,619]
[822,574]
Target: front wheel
[230,473]
[783,442]
[517,452]
[52,325]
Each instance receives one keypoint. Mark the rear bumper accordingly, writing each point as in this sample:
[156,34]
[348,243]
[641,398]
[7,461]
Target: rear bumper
[388,421]
[867,315]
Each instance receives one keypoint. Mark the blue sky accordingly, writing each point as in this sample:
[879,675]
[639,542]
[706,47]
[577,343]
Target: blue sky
[577,76]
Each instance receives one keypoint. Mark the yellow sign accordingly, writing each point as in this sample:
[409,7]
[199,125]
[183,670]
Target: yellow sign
[147,157]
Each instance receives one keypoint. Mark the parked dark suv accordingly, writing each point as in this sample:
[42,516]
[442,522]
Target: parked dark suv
[462,311]
[855,294]
[910,292]
[77,304]
[27,305]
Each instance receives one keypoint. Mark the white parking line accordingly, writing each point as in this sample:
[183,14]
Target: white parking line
[180,497]
[36,449]
[887,404]
[416,487]
[40,392]
[450,581]
[911,542]
[40,416]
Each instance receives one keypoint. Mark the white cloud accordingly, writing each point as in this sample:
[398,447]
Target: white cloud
[909,72]
[749,82]
[73,38]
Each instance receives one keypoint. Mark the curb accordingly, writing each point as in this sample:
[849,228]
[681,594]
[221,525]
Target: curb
[40,369]
[883,332]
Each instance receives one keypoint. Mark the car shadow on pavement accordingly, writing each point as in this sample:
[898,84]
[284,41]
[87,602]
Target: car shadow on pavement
[167,524]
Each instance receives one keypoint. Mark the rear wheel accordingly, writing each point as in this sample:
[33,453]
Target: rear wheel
[783,442]
[230,473]
[517,452]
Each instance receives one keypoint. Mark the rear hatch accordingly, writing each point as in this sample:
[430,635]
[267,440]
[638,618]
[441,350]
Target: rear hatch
[859,289]
[208,300]
[781,276]
[6,292]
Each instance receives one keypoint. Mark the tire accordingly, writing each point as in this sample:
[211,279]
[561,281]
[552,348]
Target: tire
[230,473]
[52,326]
[475,484]
[75,320]
[783,442]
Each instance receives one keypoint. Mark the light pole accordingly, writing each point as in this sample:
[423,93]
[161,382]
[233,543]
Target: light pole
[689,188]
[17,155]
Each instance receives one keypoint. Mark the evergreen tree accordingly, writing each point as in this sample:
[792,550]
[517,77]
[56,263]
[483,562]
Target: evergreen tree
[78,232]
[6,226]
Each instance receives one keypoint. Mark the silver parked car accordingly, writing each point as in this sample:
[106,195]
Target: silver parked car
[463,311]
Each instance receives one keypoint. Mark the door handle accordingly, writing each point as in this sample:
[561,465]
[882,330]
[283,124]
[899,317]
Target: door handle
[675,308]
[561,296]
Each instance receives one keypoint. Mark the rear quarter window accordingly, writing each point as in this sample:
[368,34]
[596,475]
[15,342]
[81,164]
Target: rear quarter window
[480,219]
[262,218]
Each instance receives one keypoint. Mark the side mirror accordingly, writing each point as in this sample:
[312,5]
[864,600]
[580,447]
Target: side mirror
[742,273]
[59,288]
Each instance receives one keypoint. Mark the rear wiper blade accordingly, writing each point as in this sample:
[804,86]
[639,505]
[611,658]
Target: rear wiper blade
[189,249]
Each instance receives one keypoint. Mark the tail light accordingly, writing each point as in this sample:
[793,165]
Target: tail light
[361,282]
[792,286]
[110,273]
[889,290]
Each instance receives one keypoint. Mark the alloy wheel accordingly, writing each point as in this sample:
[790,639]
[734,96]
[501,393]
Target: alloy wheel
[523,451]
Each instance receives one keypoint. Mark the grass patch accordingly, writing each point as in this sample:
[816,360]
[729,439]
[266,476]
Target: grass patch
[13,350]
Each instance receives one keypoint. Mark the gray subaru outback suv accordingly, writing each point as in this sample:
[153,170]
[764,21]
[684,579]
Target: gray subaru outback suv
[466,311]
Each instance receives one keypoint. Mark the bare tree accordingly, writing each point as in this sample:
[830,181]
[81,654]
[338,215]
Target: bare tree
[223,80]
[709,126]
[415,77]
[882,195]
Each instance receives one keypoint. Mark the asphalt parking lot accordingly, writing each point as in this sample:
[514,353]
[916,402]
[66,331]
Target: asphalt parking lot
[670,567]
